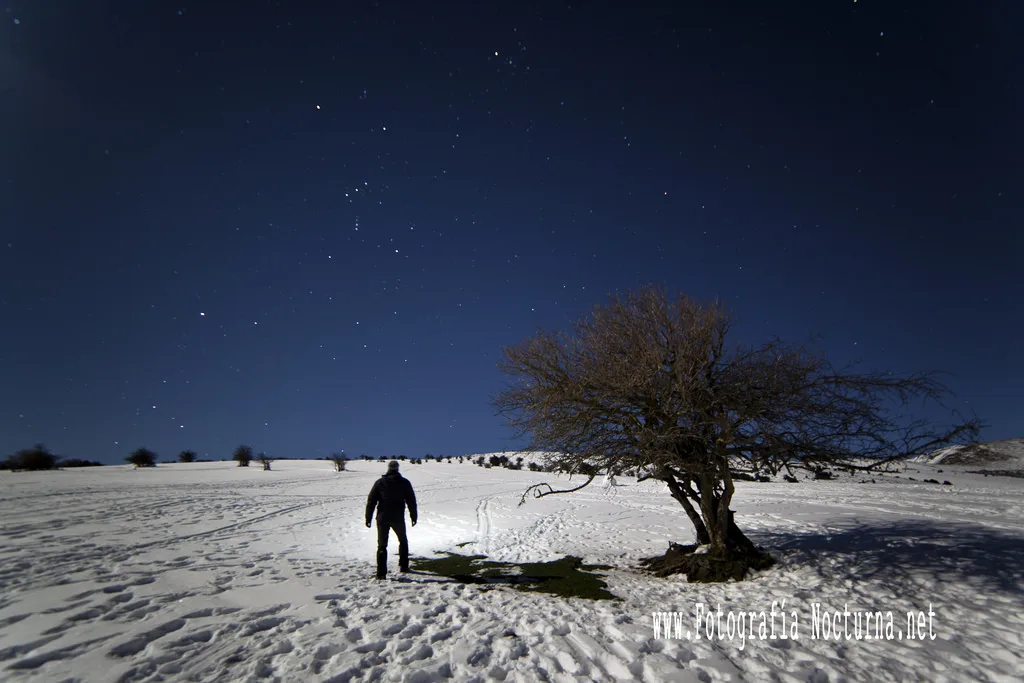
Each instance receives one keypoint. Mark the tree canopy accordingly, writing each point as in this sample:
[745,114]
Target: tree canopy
[647,384]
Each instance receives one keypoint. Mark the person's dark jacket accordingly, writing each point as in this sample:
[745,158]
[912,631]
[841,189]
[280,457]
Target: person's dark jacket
[389,495]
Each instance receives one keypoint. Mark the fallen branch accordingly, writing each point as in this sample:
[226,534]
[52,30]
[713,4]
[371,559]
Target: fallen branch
[539,493]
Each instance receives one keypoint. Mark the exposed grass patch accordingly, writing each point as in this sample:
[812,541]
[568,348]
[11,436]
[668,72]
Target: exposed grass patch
[567,577]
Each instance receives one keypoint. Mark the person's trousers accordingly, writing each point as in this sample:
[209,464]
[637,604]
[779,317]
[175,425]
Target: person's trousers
[384,528]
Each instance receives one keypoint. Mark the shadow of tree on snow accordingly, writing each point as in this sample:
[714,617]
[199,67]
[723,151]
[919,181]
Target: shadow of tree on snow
[908,552]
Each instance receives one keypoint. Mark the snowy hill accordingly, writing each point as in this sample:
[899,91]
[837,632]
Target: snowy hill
[211,572]
[1007,454]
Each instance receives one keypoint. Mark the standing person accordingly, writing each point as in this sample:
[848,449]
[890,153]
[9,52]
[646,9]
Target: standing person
[390,495]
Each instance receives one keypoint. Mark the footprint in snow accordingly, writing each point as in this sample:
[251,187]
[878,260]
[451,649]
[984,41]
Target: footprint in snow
[16,650]
[424,651]
[139,643]
[443,634]
[119,598]
[376,646]
[66,608]
[392,629]
[434,611]
[411,631]
[263,624]
[14,619]
[329,596]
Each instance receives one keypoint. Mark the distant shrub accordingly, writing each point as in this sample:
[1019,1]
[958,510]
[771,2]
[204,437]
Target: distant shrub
[78,462]
[187,456]
[339,460]
[822,474]
[265,460]
[790,478]
[142,457]
[35,458]
[517,464]
[242,455]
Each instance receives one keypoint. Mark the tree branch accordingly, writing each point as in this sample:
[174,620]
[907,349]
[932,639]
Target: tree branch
[539,493]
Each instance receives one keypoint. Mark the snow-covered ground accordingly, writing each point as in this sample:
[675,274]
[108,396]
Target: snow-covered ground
[210,572]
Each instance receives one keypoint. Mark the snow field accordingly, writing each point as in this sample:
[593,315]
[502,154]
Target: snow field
[209,572]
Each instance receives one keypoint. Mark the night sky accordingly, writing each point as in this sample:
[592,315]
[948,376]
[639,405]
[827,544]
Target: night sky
[311,229]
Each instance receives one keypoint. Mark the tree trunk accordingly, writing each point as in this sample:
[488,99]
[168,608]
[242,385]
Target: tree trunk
[722,513]
[732,554]
[738,541]
[710,505]
[700,530]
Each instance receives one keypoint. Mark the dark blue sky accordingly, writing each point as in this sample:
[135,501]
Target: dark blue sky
[309,229]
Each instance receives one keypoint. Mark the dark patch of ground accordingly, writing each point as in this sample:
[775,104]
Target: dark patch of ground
[567,577]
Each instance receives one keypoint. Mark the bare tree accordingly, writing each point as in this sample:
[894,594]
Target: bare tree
[339,461]
[142,457]
[265,460]
[243,455]
[646,385]
[36,458]
[187,456]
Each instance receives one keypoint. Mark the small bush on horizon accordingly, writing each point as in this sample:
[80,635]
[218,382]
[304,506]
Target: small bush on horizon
[78,462]
[242,455]
[265,460]
[142,457]
[339,460]
[187,456]
[35,458]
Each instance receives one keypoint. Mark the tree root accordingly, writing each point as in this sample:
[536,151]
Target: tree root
[704,568]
